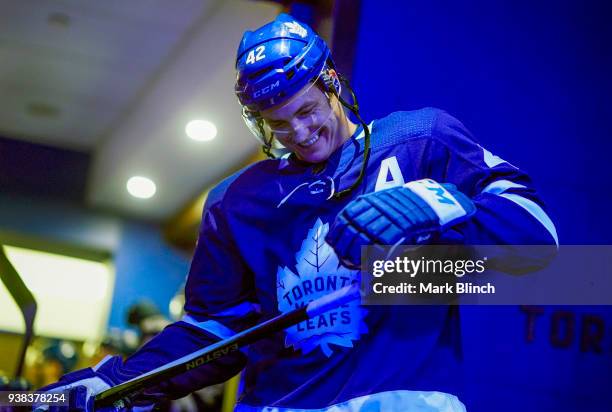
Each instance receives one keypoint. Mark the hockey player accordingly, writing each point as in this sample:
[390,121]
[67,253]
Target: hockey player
[287,230]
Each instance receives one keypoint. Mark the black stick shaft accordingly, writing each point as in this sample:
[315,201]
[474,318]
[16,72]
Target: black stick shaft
[25,301]
[116,394]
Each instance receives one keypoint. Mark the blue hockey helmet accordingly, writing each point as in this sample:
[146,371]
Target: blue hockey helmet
[276,61]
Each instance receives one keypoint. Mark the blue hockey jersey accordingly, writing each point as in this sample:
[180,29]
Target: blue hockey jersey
[261,251]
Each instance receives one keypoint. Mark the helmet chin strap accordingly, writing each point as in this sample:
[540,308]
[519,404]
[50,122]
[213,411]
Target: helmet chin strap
[267,144]
[354,108]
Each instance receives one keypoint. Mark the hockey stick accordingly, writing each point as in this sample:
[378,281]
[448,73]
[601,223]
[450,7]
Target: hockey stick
[24,299]
[119,396]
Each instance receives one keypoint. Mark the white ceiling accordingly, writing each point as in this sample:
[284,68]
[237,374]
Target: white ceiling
[121,79]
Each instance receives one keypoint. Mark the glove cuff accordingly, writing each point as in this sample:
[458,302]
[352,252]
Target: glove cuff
[451,208]
[108,370]
[112,371]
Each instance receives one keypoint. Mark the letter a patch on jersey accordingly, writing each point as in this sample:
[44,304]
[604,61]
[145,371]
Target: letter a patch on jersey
[389,174]
[318,273]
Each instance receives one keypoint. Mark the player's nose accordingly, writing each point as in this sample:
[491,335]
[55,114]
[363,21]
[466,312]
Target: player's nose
[300,130]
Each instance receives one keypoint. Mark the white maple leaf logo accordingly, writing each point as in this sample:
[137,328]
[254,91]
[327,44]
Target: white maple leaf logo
[319,273]
[295,28]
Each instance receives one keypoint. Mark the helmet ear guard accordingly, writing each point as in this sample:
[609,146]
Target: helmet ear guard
[331,80]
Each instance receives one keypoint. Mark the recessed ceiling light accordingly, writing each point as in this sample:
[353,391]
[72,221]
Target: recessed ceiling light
[141,187]
[201,130]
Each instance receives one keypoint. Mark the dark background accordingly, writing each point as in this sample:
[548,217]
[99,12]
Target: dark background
[531,80]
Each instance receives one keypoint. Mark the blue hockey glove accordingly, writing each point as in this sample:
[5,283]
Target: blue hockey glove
[83,385]
[408,214]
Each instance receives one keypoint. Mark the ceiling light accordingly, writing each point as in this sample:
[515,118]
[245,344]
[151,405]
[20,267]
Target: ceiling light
[201,130]
[141,187]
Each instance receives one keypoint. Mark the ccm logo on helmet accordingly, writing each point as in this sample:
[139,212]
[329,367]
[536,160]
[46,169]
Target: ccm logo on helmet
[266,90]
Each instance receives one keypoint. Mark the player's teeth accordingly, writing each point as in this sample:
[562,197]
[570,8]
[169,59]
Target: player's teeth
[310,141]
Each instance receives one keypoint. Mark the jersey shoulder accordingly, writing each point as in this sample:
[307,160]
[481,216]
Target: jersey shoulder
[248,178]
[405,126]
[402,126]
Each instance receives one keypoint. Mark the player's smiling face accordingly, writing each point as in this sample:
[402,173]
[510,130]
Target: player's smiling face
[307,125]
